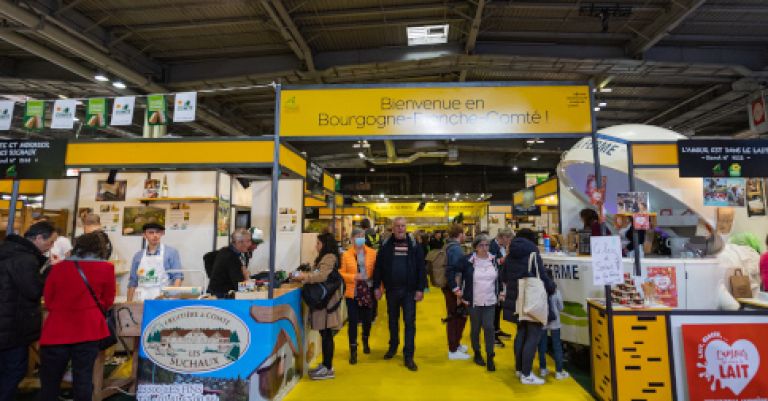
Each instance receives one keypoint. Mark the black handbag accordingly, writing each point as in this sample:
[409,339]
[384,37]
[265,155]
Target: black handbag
[109,316]
[317,295]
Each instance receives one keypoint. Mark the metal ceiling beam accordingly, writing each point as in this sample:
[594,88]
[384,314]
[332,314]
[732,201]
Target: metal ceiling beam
[380,11]
[661,27]
[61,38]
[280,17]
[474,29]
[209,53]
[189,25]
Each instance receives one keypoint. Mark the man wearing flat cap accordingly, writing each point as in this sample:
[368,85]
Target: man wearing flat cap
[154,267]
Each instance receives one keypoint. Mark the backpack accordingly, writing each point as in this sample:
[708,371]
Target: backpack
[532,301]
[436,266]
[208,260]
[317,295]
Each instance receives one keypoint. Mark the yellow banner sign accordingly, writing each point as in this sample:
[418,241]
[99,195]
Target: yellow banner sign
[439,110]
[431,209]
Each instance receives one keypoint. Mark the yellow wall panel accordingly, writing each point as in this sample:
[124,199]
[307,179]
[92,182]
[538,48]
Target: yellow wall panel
[294,162]
[548,187]
[84,154]
[655,154]
[26,187]
[601,353]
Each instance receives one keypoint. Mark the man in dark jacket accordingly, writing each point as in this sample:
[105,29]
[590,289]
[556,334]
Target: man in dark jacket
[231,264]
[498,248]
[21,287]
[400,267]
[528,332]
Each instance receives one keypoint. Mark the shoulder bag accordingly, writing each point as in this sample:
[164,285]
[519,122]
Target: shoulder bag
[532,296]
[109,316]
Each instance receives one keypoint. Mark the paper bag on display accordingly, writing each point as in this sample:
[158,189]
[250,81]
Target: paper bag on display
[184,107]
[122,110]
[96,114]
[6,114]
[740,285]
[34,115]
[157,110]
[63,114]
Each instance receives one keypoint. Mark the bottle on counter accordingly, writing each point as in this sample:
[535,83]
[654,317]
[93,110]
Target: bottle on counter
[547,243]
[164,187]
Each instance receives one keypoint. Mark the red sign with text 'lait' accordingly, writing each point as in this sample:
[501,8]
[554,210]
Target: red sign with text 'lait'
[726,361]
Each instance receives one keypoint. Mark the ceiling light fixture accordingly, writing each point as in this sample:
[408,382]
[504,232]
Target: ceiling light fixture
[101,77]
[515,168]
[602,104]
[597,109]
[119,84]
[361,154]
[372,169]
[606,90]
[535,158]
[539,141]
[530,141]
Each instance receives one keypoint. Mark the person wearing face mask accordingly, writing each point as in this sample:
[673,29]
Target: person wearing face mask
[155,267]
[357,265]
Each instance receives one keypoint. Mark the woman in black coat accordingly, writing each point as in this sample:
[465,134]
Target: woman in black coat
[528,332]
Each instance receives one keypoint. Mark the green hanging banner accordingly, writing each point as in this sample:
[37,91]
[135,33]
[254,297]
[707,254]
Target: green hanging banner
[96,114]
[34,115]
[157,110]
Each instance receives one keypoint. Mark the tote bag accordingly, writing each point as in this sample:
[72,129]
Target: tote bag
[532,296]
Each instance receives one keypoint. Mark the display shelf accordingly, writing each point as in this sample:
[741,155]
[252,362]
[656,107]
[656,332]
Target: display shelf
[180,199]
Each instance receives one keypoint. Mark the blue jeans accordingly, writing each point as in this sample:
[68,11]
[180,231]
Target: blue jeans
[13,367]
[401,299]
[557,351]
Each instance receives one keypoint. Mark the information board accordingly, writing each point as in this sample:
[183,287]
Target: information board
[723,158]
[21,159]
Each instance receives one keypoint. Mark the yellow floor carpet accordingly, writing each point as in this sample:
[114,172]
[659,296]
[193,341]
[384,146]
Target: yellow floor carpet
[374,378]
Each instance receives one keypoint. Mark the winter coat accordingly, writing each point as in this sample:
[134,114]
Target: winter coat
[21,287]
[73,315]
[467,271]
[417,273]
[516,267]
[323,318]
[348,268]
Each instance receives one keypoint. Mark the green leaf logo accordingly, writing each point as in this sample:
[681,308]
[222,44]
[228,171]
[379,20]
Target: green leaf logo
[10,172]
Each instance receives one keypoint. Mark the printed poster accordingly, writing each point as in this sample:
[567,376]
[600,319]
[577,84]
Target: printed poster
[225,208]
[726,362]
[96,113]
[287,220]
[6,114]
[34,115]
[724,192]
[178,217]
[157,110]
[114,192]
[151,188]
[632,202]
[109,215]
[134,218]
[665,280]
[755,197]
[184,107]
[221,350]
[641,221]
[122,110]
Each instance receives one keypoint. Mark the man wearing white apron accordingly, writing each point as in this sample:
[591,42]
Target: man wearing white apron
[155,267]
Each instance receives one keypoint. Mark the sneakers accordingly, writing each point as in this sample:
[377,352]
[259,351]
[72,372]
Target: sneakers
[518,374]
[531,379]
[462,348]
[562,375]
[314,370]
[544,372]
[457,356]
[323,374]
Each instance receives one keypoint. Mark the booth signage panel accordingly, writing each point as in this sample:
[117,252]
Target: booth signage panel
[431,209]
[220,349]
[723,158]
[314,177]
[32,159]
[435,110]
[726,361]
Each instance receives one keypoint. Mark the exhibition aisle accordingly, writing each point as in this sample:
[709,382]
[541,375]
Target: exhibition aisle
[373,378]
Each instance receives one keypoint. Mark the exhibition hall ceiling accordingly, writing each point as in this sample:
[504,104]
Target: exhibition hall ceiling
[689,65]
